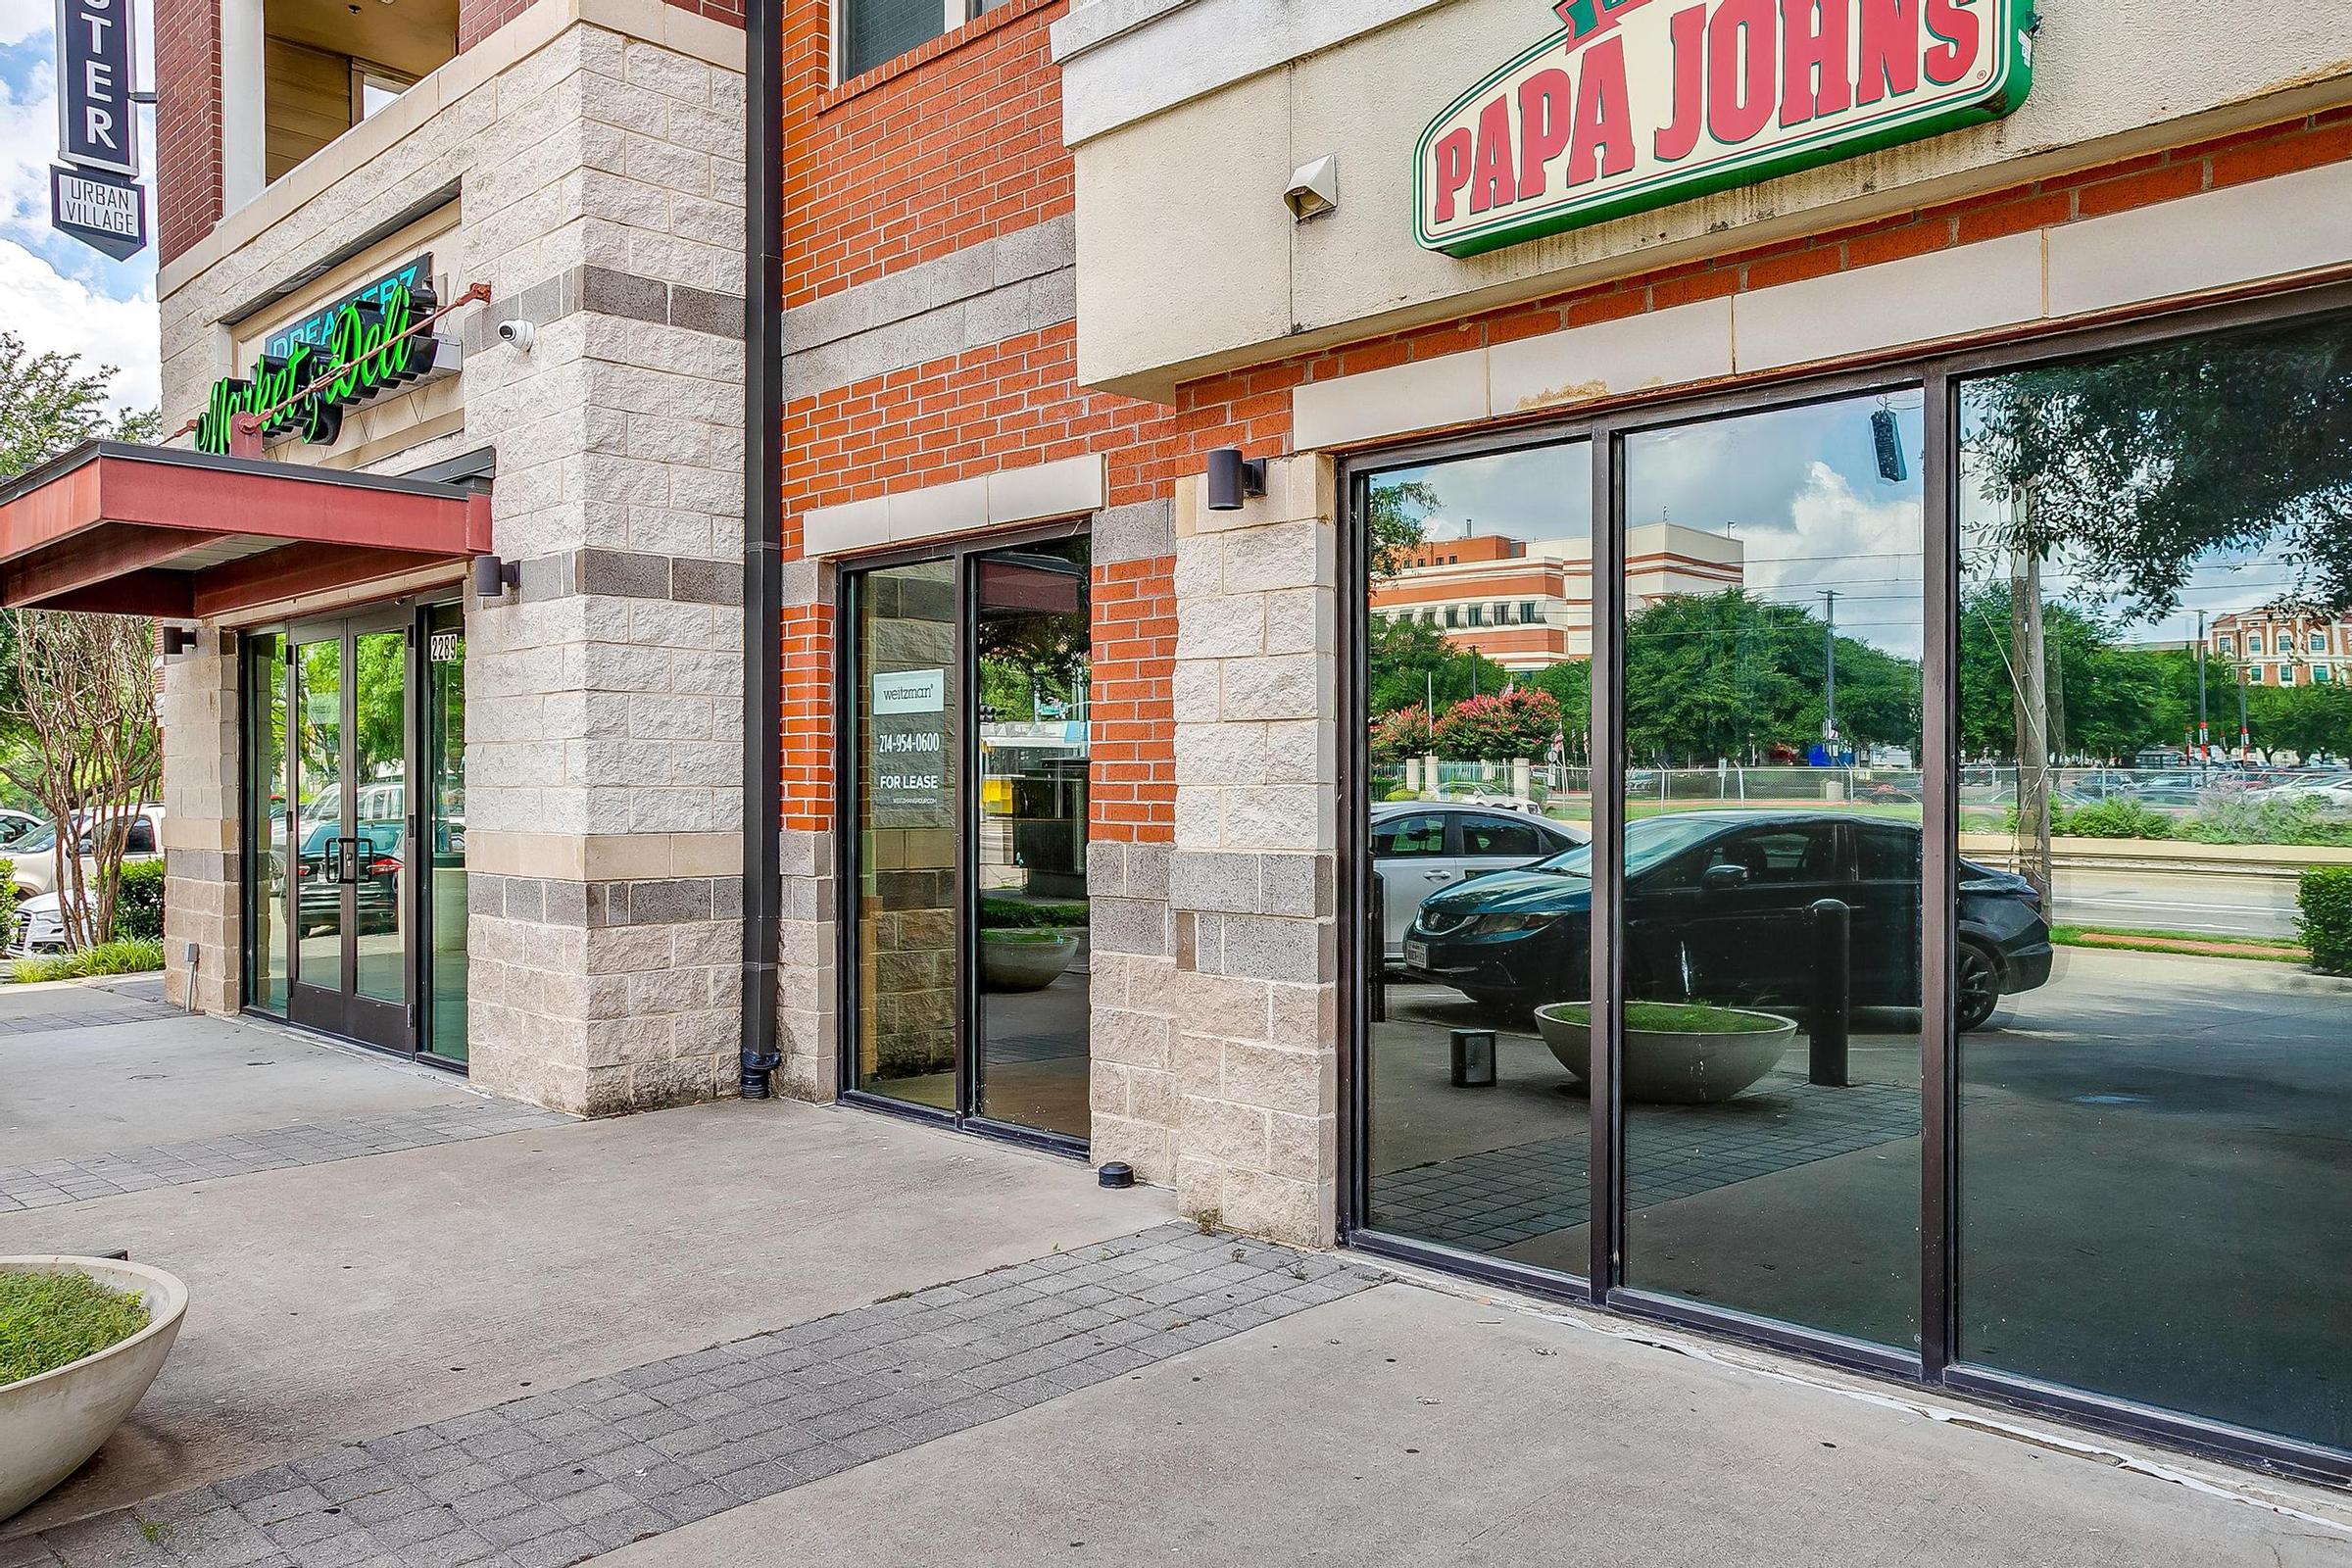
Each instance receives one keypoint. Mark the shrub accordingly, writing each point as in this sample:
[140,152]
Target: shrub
[139,904]
[8,896]
[2112,819]
[2324,898]
[1502,728]
[1402,793]
[107,958]
[2289,819]
[1401,735]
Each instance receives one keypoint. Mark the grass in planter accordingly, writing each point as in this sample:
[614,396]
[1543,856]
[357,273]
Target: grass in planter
[1679,1018]
[999,914]
[47,1320]
[1022,935]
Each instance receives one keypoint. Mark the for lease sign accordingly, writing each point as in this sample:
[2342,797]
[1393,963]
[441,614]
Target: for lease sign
[1637,104]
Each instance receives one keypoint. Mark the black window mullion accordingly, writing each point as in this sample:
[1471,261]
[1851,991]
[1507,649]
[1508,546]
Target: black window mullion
[1607,785]
[1940,864]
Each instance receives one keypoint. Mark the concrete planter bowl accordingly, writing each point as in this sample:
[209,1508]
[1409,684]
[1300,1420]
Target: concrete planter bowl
[1023,958]
[51,1423]
[1687,1065]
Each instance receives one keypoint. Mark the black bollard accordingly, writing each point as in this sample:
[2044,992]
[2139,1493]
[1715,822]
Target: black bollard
[1832,991]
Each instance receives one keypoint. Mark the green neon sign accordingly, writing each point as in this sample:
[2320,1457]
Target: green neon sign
[346,355]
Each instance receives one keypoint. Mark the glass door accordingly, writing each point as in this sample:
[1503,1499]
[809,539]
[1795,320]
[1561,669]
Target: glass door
[966,795]
[348,810]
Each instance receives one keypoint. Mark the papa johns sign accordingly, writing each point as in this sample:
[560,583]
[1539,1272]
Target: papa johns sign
[1642,103]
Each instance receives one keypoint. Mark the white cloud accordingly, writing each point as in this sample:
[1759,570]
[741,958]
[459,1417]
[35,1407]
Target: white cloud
[50,311]
[1831,537]
[20,19]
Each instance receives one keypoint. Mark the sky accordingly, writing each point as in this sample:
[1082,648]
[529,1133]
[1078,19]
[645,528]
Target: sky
[57,293]
[1799,488]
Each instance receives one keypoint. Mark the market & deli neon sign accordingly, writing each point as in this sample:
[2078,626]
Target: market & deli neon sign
[1637,104]
[354,350]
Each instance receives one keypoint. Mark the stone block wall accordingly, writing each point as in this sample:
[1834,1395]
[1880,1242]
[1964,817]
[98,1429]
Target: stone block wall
[598,179]
[1254,1047]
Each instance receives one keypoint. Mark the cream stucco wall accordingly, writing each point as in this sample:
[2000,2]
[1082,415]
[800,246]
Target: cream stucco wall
[1189,262]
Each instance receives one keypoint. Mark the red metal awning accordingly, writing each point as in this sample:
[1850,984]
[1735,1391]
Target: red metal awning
[144,530]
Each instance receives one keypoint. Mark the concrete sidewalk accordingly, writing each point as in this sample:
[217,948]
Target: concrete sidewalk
[716,1335]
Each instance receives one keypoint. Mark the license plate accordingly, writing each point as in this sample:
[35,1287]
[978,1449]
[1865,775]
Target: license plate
[1416,954]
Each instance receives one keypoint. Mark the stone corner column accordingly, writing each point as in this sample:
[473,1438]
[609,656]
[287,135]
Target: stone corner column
[203,870]
[1252,879]
[1131,946]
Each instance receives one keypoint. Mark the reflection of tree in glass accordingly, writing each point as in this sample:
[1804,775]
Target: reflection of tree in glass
[1395,511]
[1710,676]
[2134,468]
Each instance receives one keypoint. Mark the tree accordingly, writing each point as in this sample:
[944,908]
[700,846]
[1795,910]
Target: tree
[1411,663]
[77,715]
[48,404]
[87,683]
[1393,512]
[1709,676]
[2110,701]
[2140,465]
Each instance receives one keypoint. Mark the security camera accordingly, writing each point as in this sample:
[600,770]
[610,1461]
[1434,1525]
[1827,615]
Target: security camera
[1314,188]
[522,334]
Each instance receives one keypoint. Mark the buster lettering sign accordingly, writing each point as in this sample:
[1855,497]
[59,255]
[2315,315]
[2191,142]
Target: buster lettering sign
[357,349]
[1637,104]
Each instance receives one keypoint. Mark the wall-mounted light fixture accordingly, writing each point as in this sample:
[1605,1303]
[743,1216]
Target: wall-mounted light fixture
[492,578]
[179,639]
[1314,188]
[1233,477]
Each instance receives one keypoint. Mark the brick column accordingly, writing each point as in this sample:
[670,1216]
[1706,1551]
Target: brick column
[1251,882]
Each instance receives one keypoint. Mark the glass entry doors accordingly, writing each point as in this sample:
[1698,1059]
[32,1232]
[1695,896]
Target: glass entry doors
[354,916]
[966,766]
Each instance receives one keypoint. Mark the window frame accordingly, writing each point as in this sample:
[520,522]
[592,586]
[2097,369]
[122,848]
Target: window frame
[953,14]
[1939,371]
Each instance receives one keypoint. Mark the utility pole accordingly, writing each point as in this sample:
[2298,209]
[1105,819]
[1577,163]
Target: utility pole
[2204,734]
[2031,660]
[1828,649]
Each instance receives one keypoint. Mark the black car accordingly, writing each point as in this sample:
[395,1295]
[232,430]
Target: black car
[1716,910]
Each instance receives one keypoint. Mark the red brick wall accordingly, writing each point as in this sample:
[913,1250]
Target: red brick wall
[1252,408]
[953,144]
[187,124]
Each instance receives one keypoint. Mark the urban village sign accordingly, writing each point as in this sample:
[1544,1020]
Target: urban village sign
[333,359]
[1638,104]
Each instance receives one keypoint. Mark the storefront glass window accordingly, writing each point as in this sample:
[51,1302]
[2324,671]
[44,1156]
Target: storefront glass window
[2156,1147]
[445,800]
[905,697]
[1475,818]
[1769,920]
[1032,636]
[268,810]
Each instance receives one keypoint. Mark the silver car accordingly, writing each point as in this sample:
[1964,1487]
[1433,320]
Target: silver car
[1425,847]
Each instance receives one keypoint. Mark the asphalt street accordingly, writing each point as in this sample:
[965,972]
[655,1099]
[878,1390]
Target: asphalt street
[2220,904]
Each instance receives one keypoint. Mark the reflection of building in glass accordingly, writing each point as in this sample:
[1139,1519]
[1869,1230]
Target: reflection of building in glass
[2281,646]
[1528,602]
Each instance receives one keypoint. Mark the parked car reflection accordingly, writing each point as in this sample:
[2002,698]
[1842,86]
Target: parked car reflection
[1715,910]
[378,886]
[1425,847]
